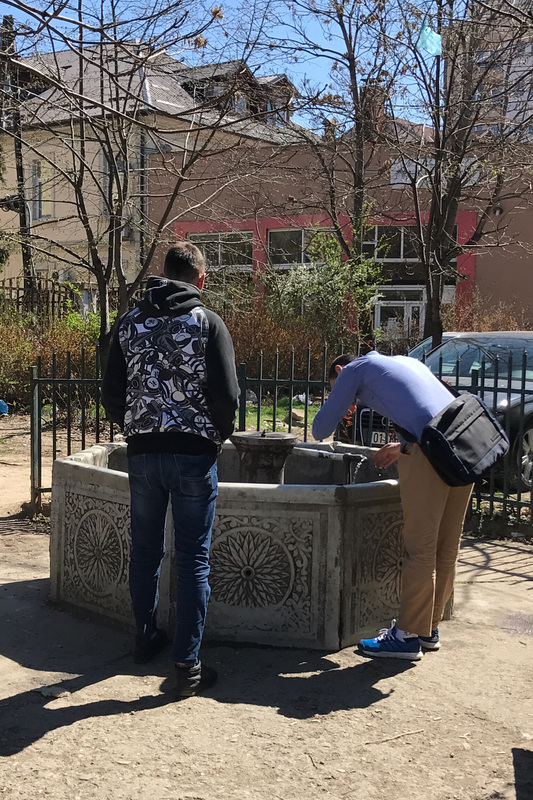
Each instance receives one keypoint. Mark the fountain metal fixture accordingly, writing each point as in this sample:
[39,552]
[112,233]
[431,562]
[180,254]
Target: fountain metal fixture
[262,455]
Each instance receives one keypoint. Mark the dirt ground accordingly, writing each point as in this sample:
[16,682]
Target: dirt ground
[79,721]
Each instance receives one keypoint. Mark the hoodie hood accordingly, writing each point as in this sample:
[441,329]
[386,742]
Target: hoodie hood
[164,297]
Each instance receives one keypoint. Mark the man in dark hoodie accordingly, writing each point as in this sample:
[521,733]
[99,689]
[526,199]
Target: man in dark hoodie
[171,385]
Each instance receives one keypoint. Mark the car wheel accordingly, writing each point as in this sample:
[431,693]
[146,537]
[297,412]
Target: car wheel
[523,459]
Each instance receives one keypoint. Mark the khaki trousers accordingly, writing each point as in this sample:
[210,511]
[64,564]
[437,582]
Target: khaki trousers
[433,517]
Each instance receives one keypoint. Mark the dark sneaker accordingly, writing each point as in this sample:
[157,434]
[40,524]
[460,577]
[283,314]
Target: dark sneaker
[191,680]
[387,645]
[430,642]
[146,650]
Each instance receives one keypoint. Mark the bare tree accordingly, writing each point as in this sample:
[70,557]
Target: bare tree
[107,107]
[343,118]
[401,134]
[473,151]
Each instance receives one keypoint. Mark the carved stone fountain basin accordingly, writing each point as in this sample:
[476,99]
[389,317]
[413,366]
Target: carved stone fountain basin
[314,562]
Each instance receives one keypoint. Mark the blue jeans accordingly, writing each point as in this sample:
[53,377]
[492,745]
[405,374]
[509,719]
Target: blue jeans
[191,483]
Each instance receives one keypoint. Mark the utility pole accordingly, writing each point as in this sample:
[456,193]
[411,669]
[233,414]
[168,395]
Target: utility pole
[11,76]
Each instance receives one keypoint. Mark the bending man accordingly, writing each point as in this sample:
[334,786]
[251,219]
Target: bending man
[405,390]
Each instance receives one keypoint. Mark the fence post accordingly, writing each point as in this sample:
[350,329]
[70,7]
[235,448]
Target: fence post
[35,442]
[275,397]
[242,398]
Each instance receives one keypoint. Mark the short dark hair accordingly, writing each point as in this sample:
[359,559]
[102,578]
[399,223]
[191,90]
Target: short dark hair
[342,360]
[184,262]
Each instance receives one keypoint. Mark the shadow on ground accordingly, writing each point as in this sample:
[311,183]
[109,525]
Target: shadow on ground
[523,773]
[496,562]
[72,653]
[21,522]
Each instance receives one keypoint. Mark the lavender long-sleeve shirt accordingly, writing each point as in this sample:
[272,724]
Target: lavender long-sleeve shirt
[398,387]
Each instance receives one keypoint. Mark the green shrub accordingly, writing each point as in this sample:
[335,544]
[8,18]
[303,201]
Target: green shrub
[86,326]
[19,341]
[335,298]
[26,338]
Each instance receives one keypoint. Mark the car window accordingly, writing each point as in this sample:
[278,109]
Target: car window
[420,349]
[491,355]
[459,357]
[517,352]
[426,346]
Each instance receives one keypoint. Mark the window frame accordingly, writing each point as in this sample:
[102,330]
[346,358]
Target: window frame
[386,260]
[398,260]
[200,237]
[301,263]
[41,197]
[404,170]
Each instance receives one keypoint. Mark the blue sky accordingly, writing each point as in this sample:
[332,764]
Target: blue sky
[243,25]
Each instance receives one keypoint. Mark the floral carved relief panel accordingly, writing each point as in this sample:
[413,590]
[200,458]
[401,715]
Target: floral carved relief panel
[96,554]
[379,561]
[261,563]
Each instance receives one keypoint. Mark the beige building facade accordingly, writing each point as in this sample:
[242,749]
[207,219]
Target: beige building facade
[250,193]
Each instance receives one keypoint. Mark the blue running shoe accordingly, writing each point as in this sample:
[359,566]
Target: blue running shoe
[387,645]
[430,642]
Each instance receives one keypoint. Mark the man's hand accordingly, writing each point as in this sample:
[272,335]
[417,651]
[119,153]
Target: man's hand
[387,454]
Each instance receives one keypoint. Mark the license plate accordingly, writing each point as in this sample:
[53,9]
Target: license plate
[378,437]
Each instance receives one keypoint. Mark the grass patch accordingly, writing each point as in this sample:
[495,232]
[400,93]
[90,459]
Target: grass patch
[267,416]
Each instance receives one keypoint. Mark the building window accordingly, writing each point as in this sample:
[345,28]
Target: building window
[278,111]
[41,190]
[498,97]
[398,311]
[391,243]
[240,103]
[289,247]
[489,58]
[225,249]
[405,172]
[396,248]
[214,91]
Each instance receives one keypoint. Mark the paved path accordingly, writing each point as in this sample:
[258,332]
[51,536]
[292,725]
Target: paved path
[506,562]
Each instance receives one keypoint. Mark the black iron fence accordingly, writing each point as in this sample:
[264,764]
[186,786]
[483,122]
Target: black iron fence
[66,416]
[272,401]
[506,386]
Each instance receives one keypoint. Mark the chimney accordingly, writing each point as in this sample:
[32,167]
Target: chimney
[330,129]
[373,97]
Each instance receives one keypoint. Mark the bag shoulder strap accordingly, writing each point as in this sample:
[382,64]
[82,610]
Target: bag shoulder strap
[452,389]
[407,435]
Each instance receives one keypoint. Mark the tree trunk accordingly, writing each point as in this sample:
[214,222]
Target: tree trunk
[105,335]
[436,321]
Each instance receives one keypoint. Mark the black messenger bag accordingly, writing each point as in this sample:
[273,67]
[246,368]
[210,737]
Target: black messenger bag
[463,441]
